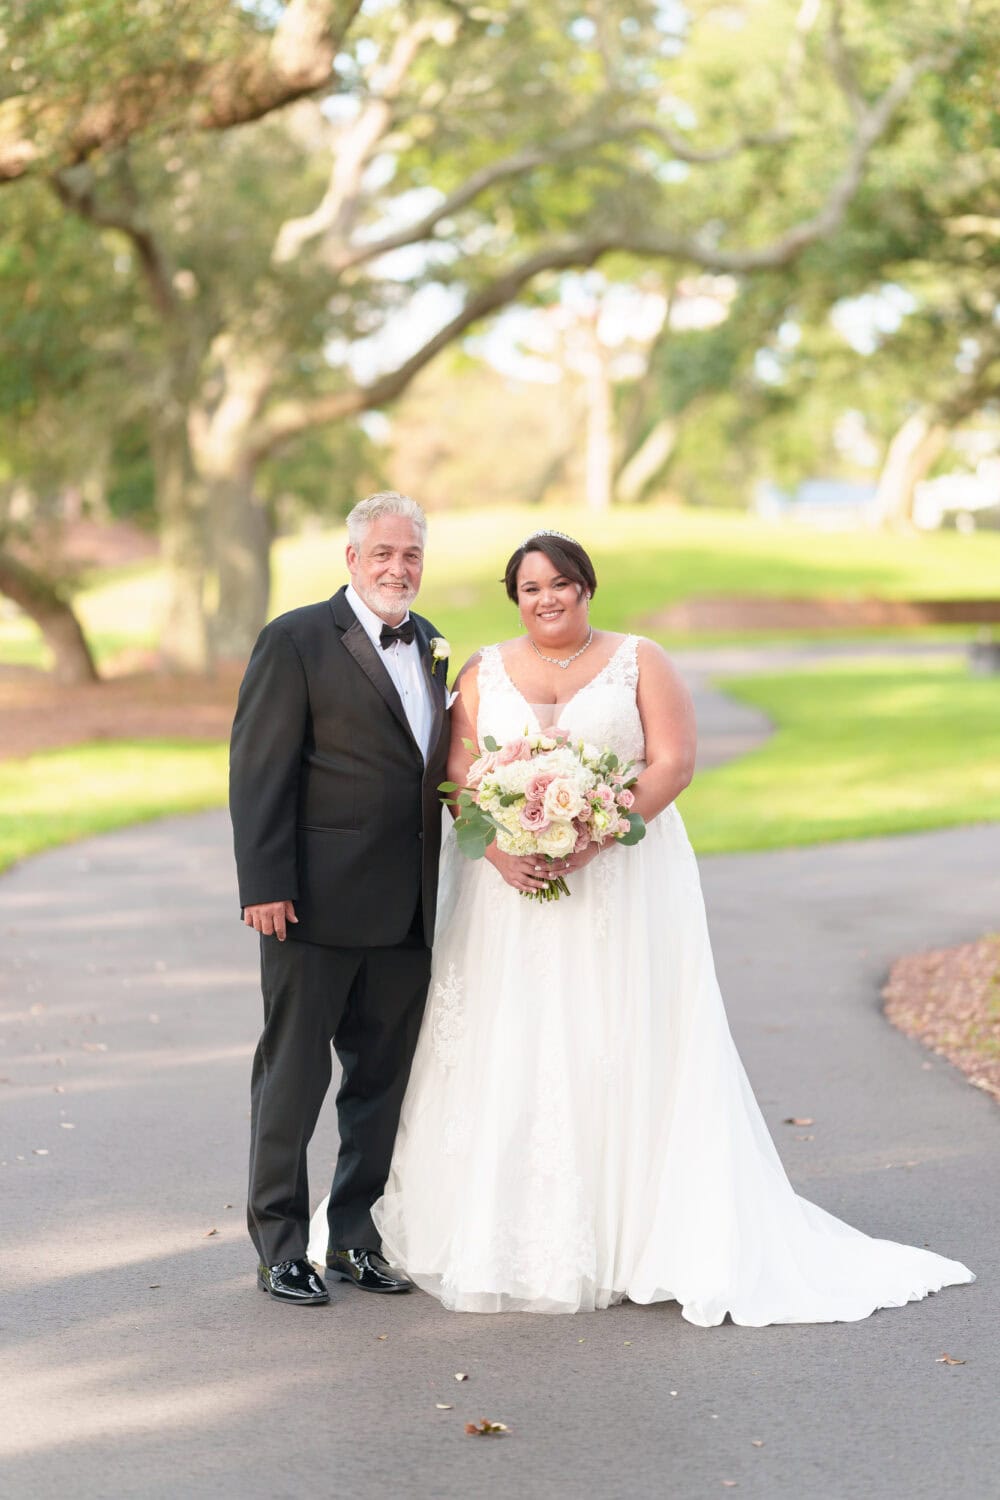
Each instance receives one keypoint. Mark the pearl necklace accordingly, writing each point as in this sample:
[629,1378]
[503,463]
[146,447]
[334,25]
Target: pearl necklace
[555,660]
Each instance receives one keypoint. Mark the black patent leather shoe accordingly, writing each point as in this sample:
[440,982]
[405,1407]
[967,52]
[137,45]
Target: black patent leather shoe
[368,1269]
[292,1281]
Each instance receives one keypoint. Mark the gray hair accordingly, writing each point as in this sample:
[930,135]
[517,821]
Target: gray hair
[385,503]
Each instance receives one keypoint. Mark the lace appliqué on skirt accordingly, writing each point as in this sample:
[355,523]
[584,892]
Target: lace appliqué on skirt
[447,1019]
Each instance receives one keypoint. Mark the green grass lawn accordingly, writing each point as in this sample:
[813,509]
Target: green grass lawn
[882,747]
[61,795]
[860,750]
[646,558]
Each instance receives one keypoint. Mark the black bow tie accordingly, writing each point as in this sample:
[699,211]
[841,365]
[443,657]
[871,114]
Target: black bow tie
[390,633]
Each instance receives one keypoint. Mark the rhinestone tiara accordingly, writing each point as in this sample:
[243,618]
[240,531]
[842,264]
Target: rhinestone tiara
[563,535]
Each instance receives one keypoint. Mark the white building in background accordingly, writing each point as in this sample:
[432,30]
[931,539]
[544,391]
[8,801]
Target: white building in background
[825,504]
[966,500]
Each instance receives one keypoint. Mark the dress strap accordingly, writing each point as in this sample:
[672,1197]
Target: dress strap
[623,668]
[491,669]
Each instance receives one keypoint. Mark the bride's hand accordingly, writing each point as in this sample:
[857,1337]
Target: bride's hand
[524,872]
[577,861]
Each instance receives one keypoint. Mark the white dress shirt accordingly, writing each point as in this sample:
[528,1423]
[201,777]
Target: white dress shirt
[403,664]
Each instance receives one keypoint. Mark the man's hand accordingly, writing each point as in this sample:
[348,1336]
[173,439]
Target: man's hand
[269,918]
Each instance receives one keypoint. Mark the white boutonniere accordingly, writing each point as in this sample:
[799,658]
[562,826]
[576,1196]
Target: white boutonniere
[440,651]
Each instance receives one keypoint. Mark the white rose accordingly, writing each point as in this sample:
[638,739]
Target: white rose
[558,839]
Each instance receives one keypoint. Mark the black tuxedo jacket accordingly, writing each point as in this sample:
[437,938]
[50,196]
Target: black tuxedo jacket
[332,805]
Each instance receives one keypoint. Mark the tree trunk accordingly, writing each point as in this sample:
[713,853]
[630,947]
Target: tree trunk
[43,602]
[242,534]
[647,460]
[909,458]
[600,444]
[184,640]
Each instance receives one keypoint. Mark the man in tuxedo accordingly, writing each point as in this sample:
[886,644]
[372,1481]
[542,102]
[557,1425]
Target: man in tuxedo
[338,745]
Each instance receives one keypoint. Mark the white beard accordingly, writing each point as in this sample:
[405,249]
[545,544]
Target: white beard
[394,603]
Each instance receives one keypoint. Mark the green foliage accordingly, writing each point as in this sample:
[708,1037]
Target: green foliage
[84,355]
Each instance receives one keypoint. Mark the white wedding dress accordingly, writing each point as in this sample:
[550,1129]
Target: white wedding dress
[578,1127]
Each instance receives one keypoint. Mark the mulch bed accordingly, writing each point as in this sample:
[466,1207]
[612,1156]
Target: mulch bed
[949,999]
[731,612]
[39,714]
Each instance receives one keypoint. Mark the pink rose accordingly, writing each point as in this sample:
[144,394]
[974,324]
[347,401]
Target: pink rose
[624,825]
[518,749]
[535,788]
[561,736]
[626,798]
[582,836]
[533,817]
[486,763]
[605,796]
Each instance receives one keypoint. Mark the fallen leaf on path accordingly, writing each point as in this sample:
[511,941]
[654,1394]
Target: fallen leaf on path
[95,1046]
[948,1359]
[39,1151]
[154,1286]
[443,1406]
[460,1376]
[756,1442]
[381,1337]
[797,1120]
[209,1233]
[65,1125]
[485,1428]
[805,1137]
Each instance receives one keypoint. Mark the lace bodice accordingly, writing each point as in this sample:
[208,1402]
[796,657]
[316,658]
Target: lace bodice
[604,712]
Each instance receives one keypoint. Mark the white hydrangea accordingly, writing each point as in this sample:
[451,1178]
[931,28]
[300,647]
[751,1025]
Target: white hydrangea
[520,842]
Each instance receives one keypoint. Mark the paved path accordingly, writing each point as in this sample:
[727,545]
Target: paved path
[137,1358]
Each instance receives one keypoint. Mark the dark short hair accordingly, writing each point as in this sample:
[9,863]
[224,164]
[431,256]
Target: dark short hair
[566,556]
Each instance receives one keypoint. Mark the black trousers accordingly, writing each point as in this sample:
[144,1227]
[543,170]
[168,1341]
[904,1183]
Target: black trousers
[368,1002]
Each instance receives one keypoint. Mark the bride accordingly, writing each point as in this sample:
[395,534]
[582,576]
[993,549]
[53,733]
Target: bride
[578,1127]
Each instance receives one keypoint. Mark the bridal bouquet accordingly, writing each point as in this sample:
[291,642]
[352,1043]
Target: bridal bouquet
[541,795]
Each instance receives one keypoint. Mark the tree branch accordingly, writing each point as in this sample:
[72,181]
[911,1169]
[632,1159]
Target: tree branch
[289,418]
[336,211]
[296,60]
[525,161]
[292,417]
[842,62]
[76,188]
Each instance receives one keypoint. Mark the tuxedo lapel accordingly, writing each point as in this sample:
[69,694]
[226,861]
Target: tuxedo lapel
[358,643]
[436,684]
